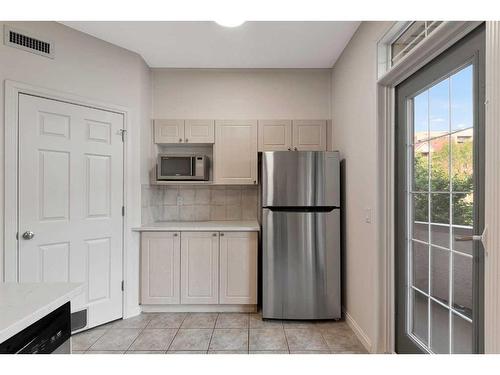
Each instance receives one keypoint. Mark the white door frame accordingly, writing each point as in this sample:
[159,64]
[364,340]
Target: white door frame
[11,147]
[442,38]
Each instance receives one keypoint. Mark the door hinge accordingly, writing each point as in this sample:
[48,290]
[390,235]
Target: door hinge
[123,285]
[123,210]
[122,132]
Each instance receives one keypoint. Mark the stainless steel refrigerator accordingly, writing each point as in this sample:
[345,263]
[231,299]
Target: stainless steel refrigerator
[301,235]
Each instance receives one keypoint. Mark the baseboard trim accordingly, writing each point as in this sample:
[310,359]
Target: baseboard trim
[360,334]
[199,308]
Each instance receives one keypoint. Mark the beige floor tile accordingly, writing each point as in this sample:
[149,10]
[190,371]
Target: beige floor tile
[332,324]
[84,340]
[256,321]
[310,352]
[145,352]
[116,339]
[334,327]
[200,320]
[105,352]
[269,352]
[166,320]
[227,352]
[299,324]
[154,339]
[191,339]
[267,339]
[187,352]
[230,320]
[305,339]
[341,341]
[229,339]
[139,321]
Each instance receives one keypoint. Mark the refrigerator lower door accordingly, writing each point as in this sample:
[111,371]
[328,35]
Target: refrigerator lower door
[301,264]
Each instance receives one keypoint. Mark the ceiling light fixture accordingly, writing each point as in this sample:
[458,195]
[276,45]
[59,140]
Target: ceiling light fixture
[230,22]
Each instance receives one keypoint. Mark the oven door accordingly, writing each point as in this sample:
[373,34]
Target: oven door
[175,167]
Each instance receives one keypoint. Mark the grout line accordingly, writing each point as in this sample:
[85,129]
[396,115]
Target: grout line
[212,335]
[286,338]
[178,329]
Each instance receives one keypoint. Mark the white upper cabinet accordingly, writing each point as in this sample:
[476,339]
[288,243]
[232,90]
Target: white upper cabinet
[309,135]
[160,264]
[238,268]
[235,152]
[184,131]
[275,135]
[169,131]
[199,131]
[200,268]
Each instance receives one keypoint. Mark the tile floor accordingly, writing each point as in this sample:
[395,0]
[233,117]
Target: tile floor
[225,333]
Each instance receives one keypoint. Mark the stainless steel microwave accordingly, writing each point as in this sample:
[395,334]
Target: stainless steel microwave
[182,167]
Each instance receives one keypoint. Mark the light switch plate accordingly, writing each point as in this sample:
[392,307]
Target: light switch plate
[368,215]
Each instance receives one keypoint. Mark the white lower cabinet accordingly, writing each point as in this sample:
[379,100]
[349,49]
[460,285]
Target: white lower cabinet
[160,268]
[199,268]
[238,268]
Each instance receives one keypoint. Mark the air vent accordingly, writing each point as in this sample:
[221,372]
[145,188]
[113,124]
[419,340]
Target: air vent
[27,42]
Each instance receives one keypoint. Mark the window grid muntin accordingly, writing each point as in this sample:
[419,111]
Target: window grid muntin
[410,215]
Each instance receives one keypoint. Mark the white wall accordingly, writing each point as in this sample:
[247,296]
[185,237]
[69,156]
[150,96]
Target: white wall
[91,68]
[354,119]
[241,93]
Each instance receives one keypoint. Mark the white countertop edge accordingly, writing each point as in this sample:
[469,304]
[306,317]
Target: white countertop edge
[36,315]
[189,226]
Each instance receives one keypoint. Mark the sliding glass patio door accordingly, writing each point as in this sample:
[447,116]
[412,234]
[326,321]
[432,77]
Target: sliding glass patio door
[439,203]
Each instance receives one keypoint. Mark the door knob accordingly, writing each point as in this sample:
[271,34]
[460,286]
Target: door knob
[28,235]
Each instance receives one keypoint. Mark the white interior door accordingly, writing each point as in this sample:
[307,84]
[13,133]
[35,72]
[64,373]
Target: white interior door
[70,198]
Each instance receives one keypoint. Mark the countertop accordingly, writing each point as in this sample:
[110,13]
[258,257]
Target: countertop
[200,226]
[23,304]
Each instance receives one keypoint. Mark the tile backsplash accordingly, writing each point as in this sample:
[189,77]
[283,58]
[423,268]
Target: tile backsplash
[198,203]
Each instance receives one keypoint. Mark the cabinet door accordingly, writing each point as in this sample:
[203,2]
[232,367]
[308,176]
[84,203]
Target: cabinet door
[309,135]
[275,135]
[199,131]
[169,131]
[160,267]
[235,155]
[200,268]
[238,268]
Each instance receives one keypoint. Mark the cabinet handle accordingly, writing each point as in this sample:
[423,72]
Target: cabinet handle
[222,234]
[254,182]
[180,139]
[175,234]
[186,140]
[295,148]
[289,149]
[215,234]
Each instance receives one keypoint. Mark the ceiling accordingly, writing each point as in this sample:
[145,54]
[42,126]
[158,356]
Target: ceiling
[205,44]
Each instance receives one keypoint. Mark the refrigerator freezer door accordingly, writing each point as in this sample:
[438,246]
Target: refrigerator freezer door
[300,179]
[301,265]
